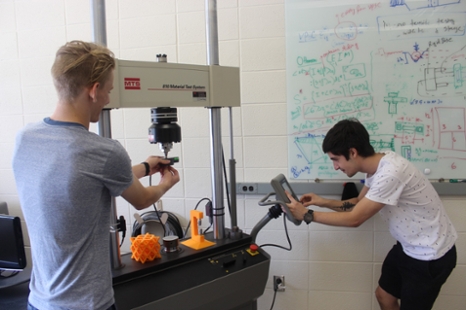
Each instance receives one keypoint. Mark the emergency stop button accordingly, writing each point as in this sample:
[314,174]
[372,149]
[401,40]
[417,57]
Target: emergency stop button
[253,249]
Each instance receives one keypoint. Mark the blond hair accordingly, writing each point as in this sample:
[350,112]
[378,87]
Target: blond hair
[78,65]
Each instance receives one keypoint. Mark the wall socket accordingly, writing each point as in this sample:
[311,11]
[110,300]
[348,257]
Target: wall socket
[279,283]
[246,188]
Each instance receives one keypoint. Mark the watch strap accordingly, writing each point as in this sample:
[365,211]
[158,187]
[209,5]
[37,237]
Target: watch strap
[146,164]
[309,216]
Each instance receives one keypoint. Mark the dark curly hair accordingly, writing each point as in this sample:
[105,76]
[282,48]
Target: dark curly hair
[347,134]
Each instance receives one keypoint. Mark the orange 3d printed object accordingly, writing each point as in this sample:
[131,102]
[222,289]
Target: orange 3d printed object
[197,241]
[145,248]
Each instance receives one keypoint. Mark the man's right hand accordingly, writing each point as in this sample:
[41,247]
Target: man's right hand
[156,164]
[312,199]
[169,177]
[142,197]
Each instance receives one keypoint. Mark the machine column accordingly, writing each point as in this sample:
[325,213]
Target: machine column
[99,36]
[215,126]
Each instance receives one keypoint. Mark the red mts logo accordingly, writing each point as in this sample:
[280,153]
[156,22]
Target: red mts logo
[132,83]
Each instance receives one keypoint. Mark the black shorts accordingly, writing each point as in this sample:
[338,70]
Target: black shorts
[31,307]
[415,282]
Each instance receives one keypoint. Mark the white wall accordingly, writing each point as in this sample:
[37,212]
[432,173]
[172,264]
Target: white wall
[328,268]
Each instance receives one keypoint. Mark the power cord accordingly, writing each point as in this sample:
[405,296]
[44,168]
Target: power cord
[275,211]
[273,300]
[277,281]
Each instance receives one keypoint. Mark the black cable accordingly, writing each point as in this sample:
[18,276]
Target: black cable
[160,221]
[13,273]
[122,228]
[207,229]
[197,205]
[157,211]
[287,237]
[226,182]
[173,216]
[274,295]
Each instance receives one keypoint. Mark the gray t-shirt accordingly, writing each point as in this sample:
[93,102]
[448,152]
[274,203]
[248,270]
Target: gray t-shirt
[65,177]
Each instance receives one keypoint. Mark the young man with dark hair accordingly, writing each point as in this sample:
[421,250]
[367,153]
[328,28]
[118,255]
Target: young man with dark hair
[419,264]
[66,176]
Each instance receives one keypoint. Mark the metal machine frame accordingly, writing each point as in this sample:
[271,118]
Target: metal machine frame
[238,276]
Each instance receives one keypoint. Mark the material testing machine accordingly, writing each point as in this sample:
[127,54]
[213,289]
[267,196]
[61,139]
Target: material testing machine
[231,273]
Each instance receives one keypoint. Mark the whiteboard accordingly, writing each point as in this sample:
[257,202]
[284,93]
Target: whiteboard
[397,66]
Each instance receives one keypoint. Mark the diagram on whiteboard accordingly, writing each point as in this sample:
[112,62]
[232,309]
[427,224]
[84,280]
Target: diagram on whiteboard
[398,67]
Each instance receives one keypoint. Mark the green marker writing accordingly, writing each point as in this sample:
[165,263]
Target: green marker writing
[457,181]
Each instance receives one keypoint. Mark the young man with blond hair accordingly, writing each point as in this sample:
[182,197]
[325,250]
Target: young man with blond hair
[66,177]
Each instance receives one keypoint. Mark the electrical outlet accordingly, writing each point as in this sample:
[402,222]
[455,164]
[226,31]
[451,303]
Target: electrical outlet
[247,188]
[279,283]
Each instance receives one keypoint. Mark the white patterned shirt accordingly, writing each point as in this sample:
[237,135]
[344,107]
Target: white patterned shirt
[413,209]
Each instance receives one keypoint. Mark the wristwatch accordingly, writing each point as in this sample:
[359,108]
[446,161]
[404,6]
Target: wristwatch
[309,216]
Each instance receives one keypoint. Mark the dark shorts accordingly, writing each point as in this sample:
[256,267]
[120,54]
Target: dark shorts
[415,282]
[31,307]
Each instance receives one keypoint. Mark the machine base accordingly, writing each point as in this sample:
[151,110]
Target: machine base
[224,276]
